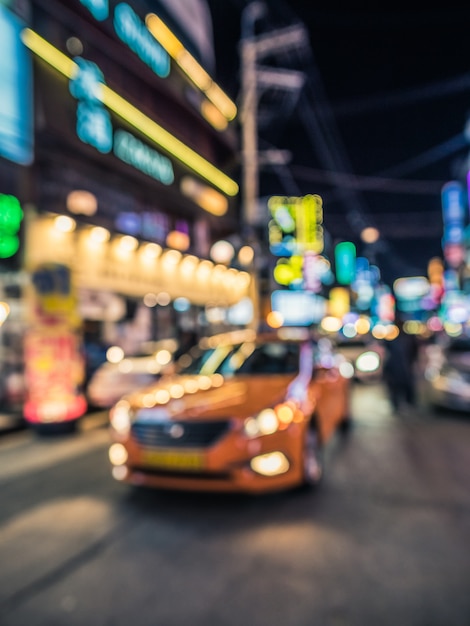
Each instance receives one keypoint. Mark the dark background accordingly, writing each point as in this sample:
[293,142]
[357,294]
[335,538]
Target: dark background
[378,127]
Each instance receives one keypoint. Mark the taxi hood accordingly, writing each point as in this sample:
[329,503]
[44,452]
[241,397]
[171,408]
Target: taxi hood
[235,397]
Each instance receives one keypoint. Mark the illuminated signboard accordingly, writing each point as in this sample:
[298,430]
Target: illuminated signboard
[133,32]
[153,226]
[288,271]
[453,213]
[54,374]
[11,216]
[311,271]
[16,110]
[339,302]
[456,307]
[451,281]
[296,224]
[452,198]
[241,313]
[133,151]
[345,259]
[411,292]
[384,304]
[94,126]
[93,120]
[411,287]
[298,308]
[98,8]
[133,116]
[309,217]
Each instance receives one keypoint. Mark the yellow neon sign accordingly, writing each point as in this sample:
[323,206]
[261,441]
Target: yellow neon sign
[141,122]
[190,66]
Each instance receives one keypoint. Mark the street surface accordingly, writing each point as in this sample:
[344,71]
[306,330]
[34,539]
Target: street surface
[384,542]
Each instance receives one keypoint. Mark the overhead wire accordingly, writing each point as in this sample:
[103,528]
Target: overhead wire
[380,182]
[318,119]
[440,89]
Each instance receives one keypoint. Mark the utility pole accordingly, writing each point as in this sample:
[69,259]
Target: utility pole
[250,14]
[255,79]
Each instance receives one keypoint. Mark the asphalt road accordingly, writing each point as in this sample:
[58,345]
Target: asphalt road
[385,541]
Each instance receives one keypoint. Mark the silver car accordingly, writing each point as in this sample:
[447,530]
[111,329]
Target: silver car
[447,374]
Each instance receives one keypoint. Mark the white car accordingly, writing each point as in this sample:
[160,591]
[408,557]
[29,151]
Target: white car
[113,379]
[365,357]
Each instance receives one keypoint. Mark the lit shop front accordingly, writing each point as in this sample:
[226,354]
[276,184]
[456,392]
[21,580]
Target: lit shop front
[69,268]
[125,265]
[129,188]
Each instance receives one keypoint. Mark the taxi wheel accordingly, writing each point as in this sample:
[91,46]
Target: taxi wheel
[346,424]
[313,461]
[55,428]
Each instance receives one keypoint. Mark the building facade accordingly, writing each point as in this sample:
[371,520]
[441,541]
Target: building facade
[125,172]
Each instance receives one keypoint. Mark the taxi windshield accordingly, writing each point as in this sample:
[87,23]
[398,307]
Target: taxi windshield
[246,358]
[206,362]
[265,358]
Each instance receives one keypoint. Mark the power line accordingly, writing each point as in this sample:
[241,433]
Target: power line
[368,183]
[391,185]
[442,89]
[439,152]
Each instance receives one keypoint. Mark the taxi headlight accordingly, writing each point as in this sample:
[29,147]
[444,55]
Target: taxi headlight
[265,423]
[120,416]
[270,464]
[270,420]
[117,454]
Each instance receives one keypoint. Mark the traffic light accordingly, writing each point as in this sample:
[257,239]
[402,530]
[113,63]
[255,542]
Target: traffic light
[11,216]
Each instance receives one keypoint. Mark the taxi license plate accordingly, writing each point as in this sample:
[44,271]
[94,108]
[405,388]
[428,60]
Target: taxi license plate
[171,459]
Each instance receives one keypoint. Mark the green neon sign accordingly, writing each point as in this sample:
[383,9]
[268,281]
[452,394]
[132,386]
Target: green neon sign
[345,257]
[11,215]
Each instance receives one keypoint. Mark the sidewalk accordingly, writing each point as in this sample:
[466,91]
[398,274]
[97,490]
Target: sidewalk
[10,422]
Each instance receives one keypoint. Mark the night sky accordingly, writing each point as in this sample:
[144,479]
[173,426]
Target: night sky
[378,127]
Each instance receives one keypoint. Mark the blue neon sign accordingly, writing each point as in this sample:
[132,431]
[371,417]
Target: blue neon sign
[133,151]
[452,197]
[93,120]
[94,126]
[133,32]
[16,104]
[98,8]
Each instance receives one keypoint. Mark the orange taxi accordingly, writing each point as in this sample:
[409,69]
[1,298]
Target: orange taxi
[243,411]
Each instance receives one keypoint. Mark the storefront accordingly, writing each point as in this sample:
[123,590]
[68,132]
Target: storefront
[129,187]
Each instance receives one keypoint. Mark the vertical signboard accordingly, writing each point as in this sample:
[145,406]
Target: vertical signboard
[54,359]
[345,260]
[296,225]
[453,215]
[16,93]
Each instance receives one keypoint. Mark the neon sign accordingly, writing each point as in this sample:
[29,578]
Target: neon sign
[94,126]
[98,8]
[93,120]
[11,216]
[296,224]
[133,32]
[133,116]
[16,110]
[345,258]
[134,152]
